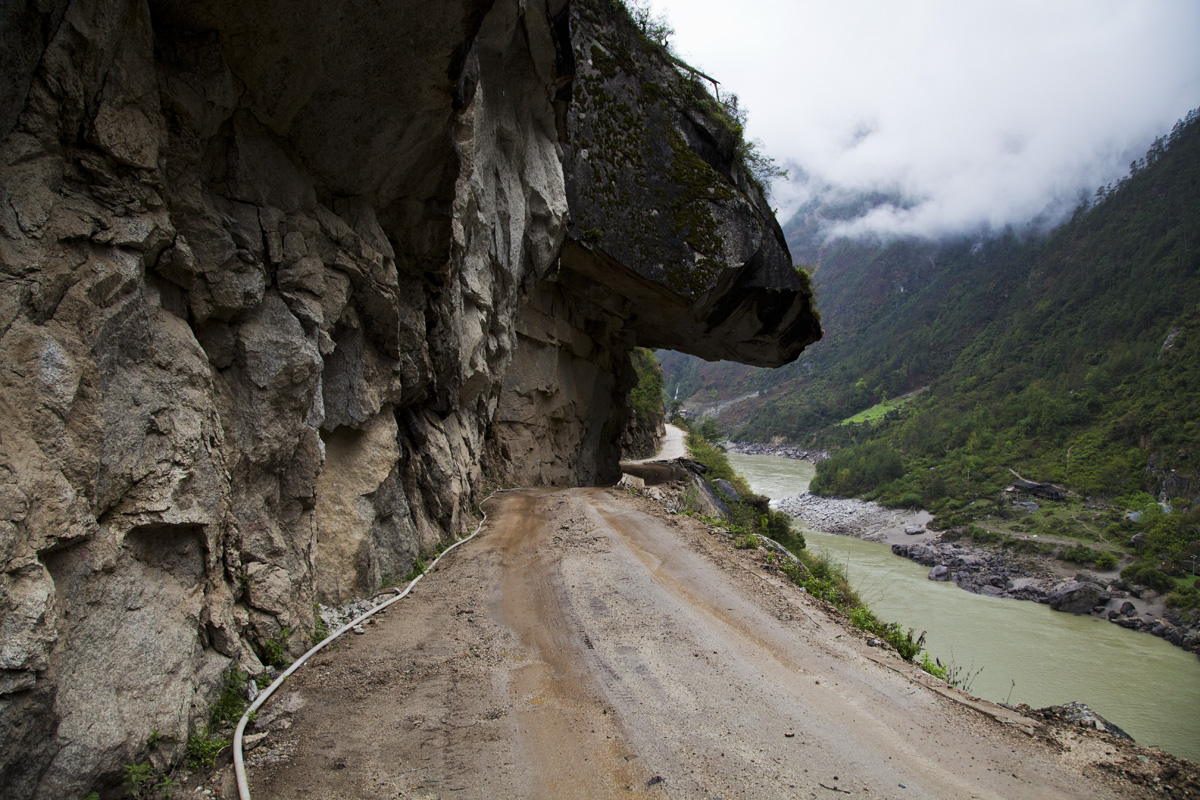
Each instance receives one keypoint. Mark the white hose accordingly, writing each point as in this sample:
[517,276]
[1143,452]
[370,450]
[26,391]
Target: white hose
[239,766]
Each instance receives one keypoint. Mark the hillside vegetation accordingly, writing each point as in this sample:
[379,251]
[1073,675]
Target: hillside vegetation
[645,414]
[1071,357]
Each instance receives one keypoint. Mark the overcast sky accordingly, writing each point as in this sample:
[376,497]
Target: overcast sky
[980,112]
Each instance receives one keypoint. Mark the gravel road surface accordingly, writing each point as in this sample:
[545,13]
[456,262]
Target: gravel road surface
[587,645]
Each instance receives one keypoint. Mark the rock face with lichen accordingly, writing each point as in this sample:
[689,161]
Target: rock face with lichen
[671,244]
[284,284]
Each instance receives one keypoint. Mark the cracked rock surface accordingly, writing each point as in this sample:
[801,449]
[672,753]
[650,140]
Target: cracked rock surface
[282,285]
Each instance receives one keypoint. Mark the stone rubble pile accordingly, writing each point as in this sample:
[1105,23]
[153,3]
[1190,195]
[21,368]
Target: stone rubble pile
[843,515]
[1084,716]
[334,618]
[782,450]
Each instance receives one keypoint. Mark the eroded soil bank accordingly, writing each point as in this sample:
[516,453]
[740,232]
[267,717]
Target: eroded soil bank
[589,645]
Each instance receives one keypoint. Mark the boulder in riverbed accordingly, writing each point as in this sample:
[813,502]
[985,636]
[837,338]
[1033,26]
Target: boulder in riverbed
[939,573]
[1078,597]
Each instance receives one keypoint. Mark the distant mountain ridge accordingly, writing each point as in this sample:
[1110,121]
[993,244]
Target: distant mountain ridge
[1081,336]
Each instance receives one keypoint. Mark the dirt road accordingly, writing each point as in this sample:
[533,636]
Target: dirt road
[585,646]
[673,445]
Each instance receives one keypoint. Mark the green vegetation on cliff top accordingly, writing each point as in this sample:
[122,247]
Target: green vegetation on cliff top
[646,397]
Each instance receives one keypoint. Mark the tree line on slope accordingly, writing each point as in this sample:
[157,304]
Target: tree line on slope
[1072,357]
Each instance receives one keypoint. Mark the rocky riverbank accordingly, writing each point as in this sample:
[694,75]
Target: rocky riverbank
[994,571]
[850,517]
[985,570]
[781,450]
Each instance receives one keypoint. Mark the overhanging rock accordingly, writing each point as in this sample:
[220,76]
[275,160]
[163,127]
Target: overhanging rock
[670,243]
[665,215]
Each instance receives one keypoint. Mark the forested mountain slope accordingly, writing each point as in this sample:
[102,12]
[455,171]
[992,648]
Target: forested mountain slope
[1080,339]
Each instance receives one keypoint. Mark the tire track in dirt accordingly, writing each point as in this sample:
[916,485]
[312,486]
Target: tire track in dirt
[571,743]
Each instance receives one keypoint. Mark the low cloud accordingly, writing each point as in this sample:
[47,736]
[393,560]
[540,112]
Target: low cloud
[981,115]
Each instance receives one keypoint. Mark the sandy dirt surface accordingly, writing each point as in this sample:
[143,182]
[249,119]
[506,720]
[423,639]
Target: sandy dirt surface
[586,645]
[673,445]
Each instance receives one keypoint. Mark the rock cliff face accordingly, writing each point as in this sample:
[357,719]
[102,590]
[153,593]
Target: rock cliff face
[281,282]
[671,244]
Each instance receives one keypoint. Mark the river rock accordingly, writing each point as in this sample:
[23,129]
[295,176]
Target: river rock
[844,516]
[1077,597]
[1082,715]
[726,488]
[781,450]
[939,573]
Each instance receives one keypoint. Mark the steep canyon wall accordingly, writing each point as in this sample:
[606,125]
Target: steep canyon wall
[285,284]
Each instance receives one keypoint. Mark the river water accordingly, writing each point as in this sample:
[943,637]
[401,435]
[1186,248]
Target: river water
[1027,653]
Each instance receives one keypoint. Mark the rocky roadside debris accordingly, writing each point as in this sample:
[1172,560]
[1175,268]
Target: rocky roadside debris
[1081,714]
[782,450]
[334,618]
[996,572]
[1159,772]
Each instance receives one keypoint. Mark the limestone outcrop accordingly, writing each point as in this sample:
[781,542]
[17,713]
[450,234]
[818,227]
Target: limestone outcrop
[282,285]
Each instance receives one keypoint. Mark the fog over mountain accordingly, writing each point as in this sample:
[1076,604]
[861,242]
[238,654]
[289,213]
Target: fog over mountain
[979,115]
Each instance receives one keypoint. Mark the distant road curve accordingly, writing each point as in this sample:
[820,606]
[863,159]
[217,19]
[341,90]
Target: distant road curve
[672,447]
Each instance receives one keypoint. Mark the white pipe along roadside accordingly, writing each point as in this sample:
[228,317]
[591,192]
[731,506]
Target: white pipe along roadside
[239,766]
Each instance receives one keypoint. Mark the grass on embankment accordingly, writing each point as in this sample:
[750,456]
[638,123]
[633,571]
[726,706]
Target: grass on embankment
[815,573]
[880,410]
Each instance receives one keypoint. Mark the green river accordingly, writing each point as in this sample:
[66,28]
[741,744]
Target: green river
[1027,653]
